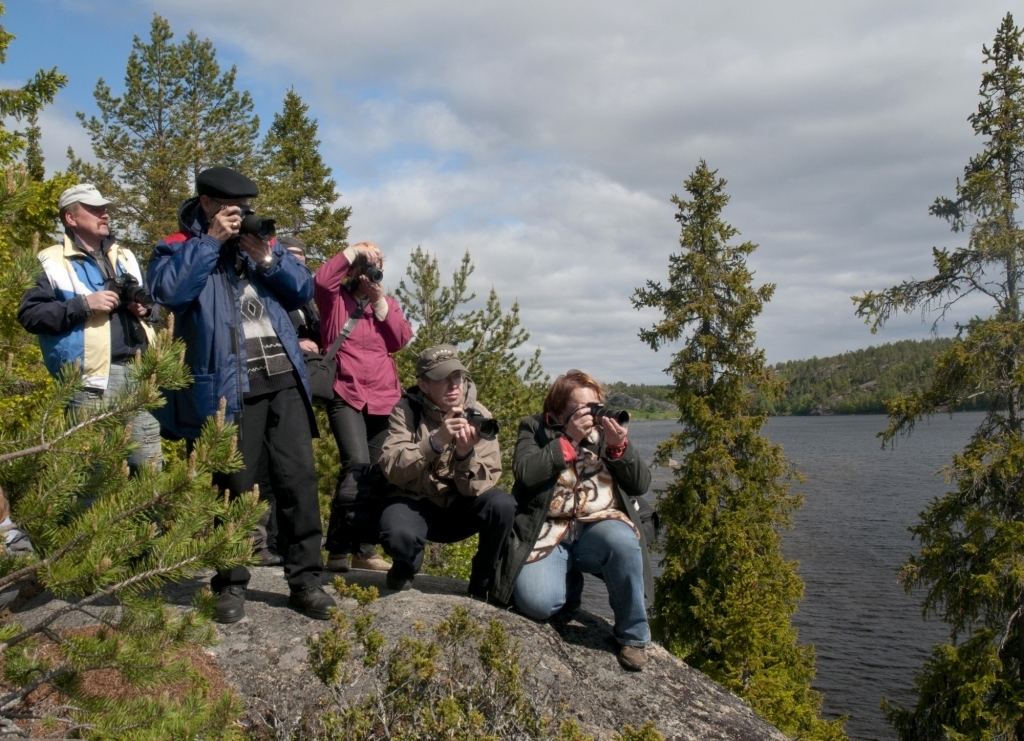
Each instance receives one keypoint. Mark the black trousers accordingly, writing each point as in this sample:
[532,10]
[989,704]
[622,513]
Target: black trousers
[407,524]
[279,421]
[265,535]
[360,437]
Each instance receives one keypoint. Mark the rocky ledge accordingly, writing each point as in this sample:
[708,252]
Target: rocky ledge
[569,663]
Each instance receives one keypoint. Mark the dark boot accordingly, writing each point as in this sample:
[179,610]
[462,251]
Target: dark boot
[313,602]
[400,576]
[230,604]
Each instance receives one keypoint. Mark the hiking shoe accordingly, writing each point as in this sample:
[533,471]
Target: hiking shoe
[398,579]
[313,602]
[230,604]
[375,562]
[267,557]
[633,658]
[337,562]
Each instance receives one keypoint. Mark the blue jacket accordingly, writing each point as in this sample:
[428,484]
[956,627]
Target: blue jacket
[189,274]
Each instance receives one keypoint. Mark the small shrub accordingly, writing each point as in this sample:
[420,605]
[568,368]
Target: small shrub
[463,683]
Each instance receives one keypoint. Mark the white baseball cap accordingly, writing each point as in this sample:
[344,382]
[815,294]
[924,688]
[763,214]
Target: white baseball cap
[84,193]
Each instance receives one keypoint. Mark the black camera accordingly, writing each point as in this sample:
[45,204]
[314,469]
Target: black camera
[128,289]
[364,267]
[600,410]
[255,225]
[487,427]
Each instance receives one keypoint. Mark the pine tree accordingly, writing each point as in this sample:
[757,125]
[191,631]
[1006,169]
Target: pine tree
[177,116]
[34,149]
[724,600]
[24,102]
[28,208]
[511,388]
[296,186]
[971,562]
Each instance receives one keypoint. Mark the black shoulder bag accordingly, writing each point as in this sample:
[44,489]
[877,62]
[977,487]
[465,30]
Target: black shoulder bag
[323,369]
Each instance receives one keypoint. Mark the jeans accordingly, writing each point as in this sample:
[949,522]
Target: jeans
[278,421]
[145,429]
[407,524]
[360,437]
[606,547]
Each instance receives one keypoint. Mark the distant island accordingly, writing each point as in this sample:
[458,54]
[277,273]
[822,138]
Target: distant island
[857,382]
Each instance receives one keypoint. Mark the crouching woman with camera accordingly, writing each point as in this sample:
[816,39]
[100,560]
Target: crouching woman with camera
[351,300]
[575,474]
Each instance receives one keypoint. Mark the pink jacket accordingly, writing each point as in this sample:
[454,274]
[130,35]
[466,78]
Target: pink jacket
[367,375]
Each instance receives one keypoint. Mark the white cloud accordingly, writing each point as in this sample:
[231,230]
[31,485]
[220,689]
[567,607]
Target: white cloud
[546,138]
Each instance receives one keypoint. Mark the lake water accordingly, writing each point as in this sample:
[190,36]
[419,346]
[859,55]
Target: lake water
[850,537]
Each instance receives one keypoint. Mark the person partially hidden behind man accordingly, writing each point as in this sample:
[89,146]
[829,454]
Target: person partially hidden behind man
[90,306]
[444,472]
[231,291]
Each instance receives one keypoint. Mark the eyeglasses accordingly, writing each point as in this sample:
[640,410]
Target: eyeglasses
[455,379]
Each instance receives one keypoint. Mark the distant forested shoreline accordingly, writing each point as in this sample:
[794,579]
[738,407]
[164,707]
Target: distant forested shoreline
[856,382]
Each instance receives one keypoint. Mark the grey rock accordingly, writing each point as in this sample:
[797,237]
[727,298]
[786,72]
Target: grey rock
[570,662]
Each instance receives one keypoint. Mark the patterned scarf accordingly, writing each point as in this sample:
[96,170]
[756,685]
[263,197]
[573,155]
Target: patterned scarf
[585,492]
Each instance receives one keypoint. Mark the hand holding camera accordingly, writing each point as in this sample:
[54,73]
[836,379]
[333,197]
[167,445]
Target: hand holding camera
[102,302]
[255,247]
[225,224]
[584,418]
[579,424]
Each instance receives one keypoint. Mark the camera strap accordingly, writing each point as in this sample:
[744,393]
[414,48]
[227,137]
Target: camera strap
[350,325]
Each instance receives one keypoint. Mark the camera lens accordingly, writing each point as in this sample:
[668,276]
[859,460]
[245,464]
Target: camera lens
[257,226]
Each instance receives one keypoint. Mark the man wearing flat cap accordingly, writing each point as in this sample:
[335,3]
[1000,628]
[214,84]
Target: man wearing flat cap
[81,315]
[231,292]
[444,474]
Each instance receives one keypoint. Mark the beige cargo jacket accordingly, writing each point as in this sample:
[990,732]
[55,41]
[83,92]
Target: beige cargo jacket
[410,463]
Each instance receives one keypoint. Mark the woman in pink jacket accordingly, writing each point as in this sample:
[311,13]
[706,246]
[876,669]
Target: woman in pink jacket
[367,386]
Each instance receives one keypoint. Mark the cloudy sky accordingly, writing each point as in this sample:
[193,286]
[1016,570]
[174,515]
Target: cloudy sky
[547,139]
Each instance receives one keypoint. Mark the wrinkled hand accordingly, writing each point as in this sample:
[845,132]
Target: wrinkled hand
[225,223]
[255,247]
[614,433]
[370,251]
[137,309]
[579,424]
[102,302]
[308,345]
[372,291]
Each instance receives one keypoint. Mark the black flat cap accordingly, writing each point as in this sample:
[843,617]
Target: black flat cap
[223,182]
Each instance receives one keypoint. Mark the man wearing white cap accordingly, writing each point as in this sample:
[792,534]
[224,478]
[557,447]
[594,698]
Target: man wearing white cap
[91,306]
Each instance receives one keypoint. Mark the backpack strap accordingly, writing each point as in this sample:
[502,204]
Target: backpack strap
[347,329]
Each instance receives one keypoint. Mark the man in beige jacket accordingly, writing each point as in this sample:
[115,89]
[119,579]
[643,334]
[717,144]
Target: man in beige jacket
[445,471]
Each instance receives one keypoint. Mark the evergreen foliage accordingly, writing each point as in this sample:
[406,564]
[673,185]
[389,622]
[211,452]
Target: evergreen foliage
[100,534]
[971,562]
[34,149]
[724,600]
[464,683]
[861,381]
[28,208]
[23,103]
[487,338]
[296,186]
[178,115]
